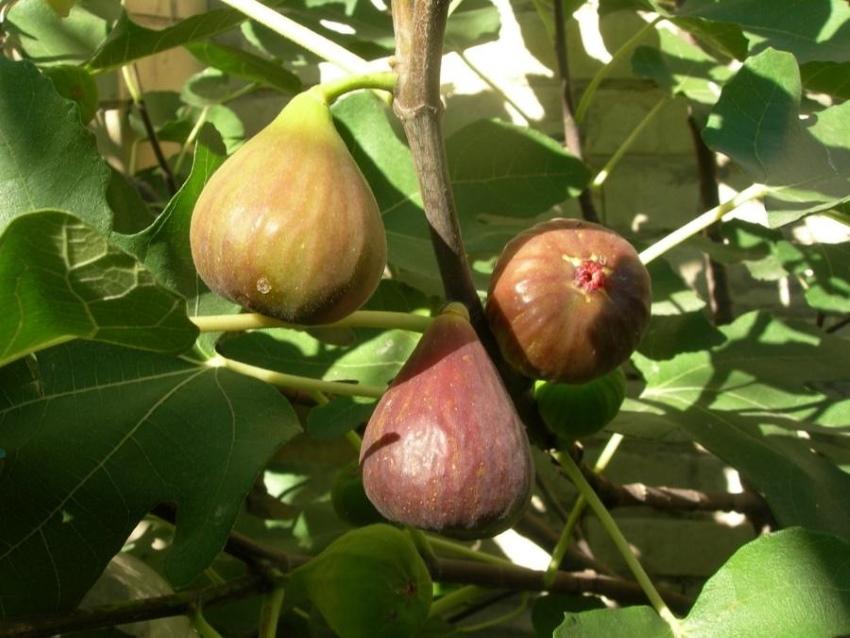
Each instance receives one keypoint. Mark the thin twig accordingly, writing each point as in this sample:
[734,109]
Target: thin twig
[717,281]
[131,80]
[572,133]
[137,610]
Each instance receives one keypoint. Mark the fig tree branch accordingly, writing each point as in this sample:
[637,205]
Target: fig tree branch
[672,498]
[572,134]
[717,282]
[419,30]
[419,27]
[131,80]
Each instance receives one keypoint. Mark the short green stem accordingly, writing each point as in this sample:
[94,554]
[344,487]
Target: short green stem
[702,222]
[563,543]
[270,613]
[423,545]
[602,175]
[457,598]
[330,91]
[359,319]
[294,382]
[301,35]
[204,629]
[603,72]
[354,439]
[609,524]
[458,549]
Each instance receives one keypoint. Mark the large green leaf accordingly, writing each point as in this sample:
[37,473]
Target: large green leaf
[745,399]
[245,65]
[47,38]
[128,41]
[790,584]
[370,583]
[47,158]
[60,280]
[109,434]
[811,30]
[757,123]
[501,175]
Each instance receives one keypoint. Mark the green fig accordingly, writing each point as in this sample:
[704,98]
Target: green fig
[445,449]
[77,84]
[575,411]
[369,583]
[288,226]
[349,499]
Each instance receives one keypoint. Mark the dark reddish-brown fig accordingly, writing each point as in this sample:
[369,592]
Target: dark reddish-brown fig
[569,301]
[288,226]
[445,449]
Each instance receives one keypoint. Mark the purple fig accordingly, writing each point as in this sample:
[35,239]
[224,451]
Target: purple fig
[288,225]
[569,301]
[445,449]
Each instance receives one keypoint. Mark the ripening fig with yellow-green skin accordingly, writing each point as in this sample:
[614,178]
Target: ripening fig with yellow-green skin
[445,449]
[288,226]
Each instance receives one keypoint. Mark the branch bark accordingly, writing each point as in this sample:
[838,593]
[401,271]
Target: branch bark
[572,133]
[673,498]
[717,281]
[419,28]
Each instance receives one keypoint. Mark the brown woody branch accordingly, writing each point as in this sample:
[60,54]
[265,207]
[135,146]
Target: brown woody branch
[445,570]
[673,498]
[572,133]
[716,278]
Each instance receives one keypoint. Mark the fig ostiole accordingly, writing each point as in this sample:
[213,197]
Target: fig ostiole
[569,301]
[288,226]
[445,449]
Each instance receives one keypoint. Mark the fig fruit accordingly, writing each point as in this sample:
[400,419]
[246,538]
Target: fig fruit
[288,226]
[569,301]
[576,411]
[445,449]
[349,499]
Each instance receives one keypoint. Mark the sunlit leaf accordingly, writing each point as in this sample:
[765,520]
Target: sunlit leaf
[757,123]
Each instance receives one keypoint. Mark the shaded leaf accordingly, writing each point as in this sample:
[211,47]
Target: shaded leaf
[61,280]
[756,122]
[681,68]
[823,269]
[669,335]
[146,429]
[814,30]
[128,41]
[832,78]
[245,65]
[76,84]
[48,38]
[341,415]
[53,161]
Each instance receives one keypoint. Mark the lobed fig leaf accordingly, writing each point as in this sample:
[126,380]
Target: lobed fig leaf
[288,225]
[569,301]
[445,449]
